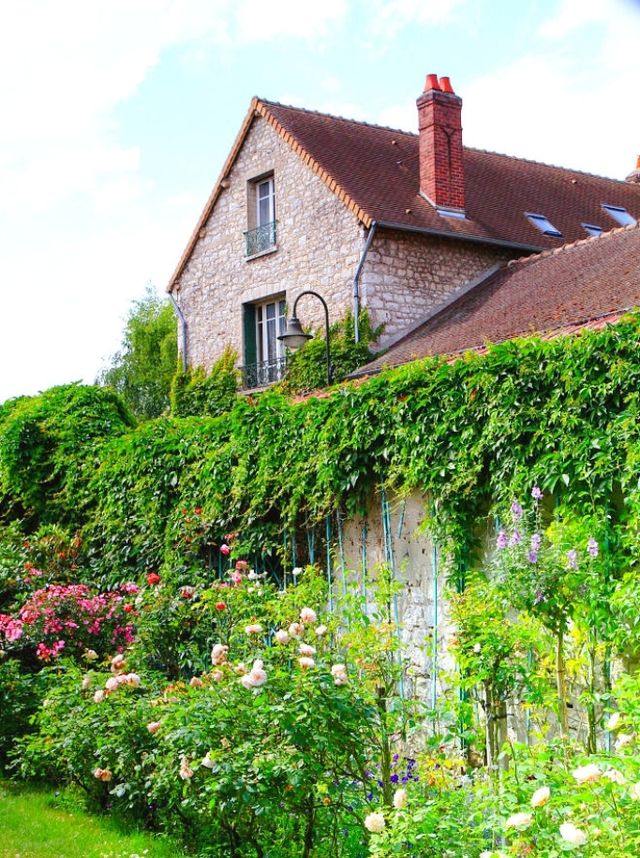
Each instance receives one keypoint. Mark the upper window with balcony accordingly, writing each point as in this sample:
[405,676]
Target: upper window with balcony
[261,235]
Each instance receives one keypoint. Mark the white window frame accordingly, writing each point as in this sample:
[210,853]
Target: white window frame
[269,196]
[262,331]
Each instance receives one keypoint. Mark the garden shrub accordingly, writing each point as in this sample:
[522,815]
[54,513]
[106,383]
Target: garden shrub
[21,694]
[194,393]
[278,747]
[48,448]
[70,619]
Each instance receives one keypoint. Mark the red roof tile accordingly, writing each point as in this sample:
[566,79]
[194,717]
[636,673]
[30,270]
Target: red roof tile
[378,169]
[585,284]
[374,171]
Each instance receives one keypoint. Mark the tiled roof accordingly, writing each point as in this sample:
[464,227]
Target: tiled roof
[585,284]
[374,171]
[378,169]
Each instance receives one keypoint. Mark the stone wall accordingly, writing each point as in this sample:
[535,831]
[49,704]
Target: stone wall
[422,609]
[406,275]
[318,247]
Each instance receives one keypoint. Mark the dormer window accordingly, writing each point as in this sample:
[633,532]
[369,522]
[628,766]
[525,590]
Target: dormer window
[619,214]
[543,224]
[260,236]
[592,229]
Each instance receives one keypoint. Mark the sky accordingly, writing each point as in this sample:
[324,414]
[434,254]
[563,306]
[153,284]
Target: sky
[116,117]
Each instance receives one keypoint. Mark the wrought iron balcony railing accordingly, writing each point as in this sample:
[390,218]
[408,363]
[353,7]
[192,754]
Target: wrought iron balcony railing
[263,373]
[261,238]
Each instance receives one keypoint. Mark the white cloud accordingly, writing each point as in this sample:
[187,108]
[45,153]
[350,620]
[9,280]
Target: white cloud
[82,233]
[551,106]
[257,20]
[389,17]
[548,105]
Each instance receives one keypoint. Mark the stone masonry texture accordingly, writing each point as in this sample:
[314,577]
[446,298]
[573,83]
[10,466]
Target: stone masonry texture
[318,246]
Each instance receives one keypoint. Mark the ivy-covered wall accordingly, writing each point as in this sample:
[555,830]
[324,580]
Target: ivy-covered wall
[561,413]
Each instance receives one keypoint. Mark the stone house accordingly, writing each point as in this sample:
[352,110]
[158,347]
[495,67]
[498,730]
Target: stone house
[369,217]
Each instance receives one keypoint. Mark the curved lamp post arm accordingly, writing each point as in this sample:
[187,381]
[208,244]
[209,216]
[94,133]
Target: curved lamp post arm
[294,321]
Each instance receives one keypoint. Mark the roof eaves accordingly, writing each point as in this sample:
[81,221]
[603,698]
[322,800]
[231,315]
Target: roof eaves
[565,329]
[462,236]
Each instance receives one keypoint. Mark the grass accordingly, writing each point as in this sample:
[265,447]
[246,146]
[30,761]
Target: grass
[34,825]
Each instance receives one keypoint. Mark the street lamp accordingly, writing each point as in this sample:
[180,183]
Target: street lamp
[294,337]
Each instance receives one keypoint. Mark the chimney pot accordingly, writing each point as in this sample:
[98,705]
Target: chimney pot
[445,85]
[634,175]
[431,82]
[441,155]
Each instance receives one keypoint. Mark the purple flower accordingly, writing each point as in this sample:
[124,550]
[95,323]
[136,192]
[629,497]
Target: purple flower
[536,539]
[394,779]
[532,557]
[502,540]
[516,510]
[592,547]
[536,493]
[572,558]
[539,597]
[516,538]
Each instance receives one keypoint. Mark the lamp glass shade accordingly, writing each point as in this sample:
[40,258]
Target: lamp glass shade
[294,337]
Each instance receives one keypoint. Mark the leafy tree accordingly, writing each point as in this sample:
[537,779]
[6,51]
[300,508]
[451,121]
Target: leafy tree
[142,370]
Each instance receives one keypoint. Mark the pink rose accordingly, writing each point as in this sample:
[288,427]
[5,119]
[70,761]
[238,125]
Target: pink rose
[308,615]
[153,727]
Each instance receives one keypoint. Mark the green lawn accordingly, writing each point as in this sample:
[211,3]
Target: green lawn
[32,826]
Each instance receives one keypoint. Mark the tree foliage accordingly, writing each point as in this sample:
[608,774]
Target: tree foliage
[142,370]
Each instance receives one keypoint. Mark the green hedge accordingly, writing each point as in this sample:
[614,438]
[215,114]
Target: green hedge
[561,412]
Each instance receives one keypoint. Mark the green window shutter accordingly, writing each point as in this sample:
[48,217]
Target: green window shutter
[249,313]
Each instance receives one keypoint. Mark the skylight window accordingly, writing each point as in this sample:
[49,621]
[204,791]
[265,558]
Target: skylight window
[621,215]
[543,224]
[592,229]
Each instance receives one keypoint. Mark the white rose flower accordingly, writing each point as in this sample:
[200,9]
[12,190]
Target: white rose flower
[623,740]
[519,820]
[540,797]
[207,762]
[634,792]
[587,774]
[253,629]
[573,835]
[282,637]
[400,799]
[374,823]
[305,649]
[321,630]
[308,615]
[615,776]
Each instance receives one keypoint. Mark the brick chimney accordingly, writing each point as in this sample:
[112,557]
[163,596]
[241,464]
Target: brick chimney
[440,142]
[634,175]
